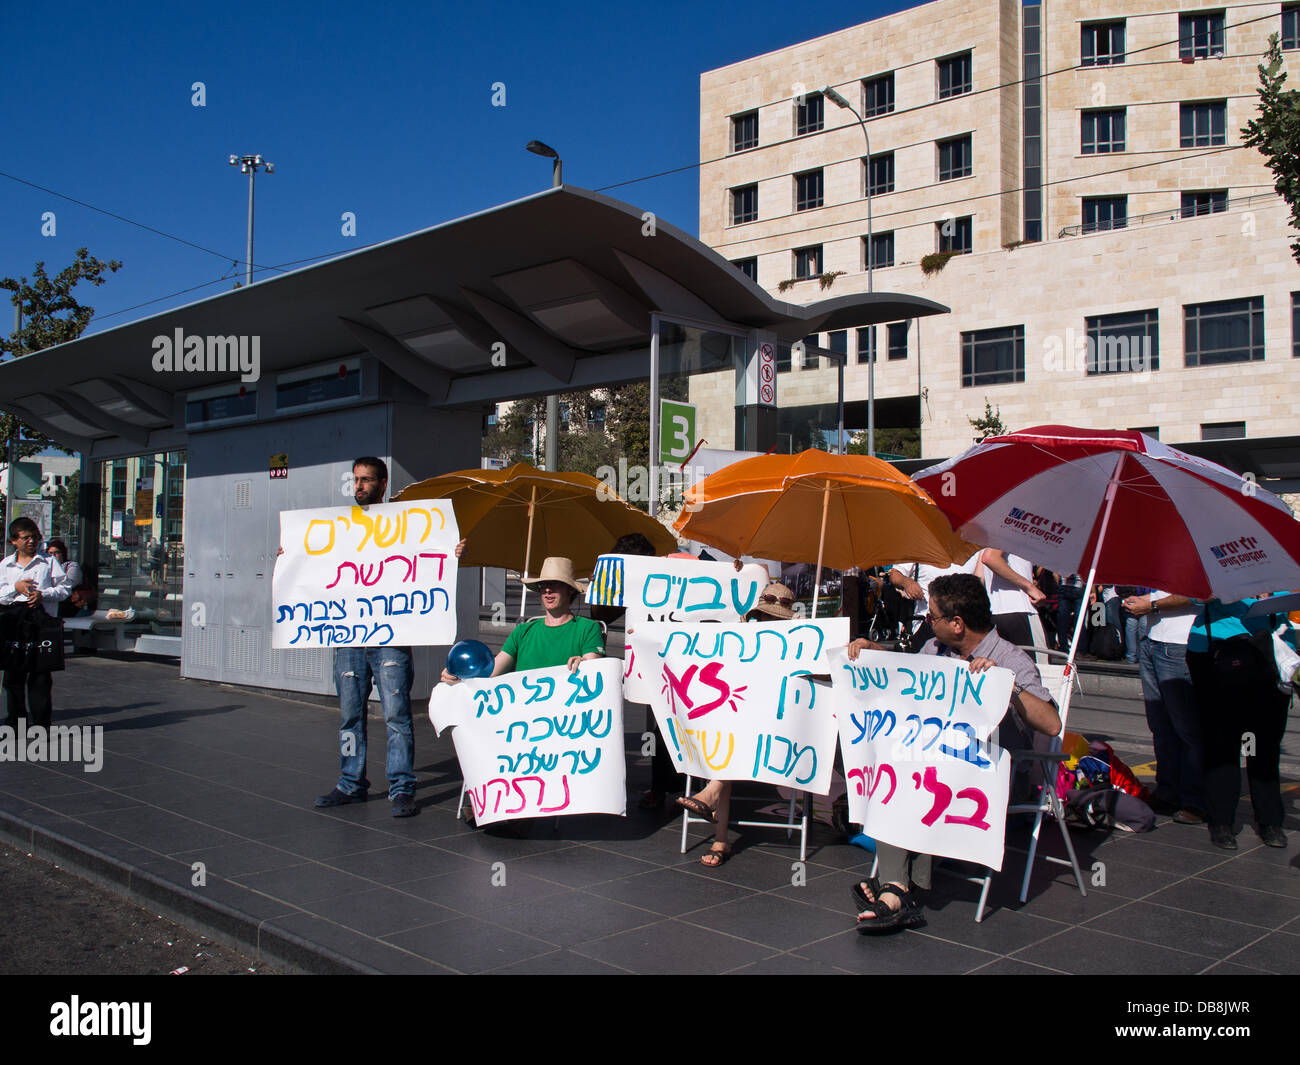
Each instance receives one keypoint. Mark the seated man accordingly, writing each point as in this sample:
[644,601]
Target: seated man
[963,628]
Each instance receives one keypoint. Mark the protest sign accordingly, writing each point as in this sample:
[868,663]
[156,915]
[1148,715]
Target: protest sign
[672,589]
[366,576]
[541,742]
[734,702]
[922,773]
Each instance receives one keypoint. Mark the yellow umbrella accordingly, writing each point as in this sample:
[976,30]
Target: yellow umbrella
[837,510]
[513,517]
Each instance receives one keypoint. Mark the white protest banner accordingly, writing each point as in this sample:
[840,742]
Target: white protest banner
[541,742]
[921,772]
[672,589]
[366,576]
[734,702]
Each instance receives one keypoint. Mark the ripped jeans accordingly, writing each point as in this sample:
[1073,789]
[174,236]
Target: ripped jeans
[355,669]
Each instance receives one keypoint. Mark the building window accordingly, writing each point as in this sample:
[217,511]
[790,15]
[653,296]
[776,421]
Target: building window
[744,131]
[954,158]
[1123,343]
[1201,35]
[879,170]
[881,250]
[808,190]
[1223,430]
[1102,132]
[838,341]
[748,267]
[744,205]
[1295,325]
[596,417]
[807,262]
[1211,202]
[867,344]
[492,418]
[878,95]
[810,361]
[993,357]
[1104,212]
[1152,431]
[782,359]
[1291,26]
[1227,331]
[1102,45]
[808,114]
[898,339]
[955,234]
[954,75]
[1204,125]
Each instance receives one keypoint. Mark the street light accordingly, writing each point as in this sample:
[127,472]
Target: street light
[250,164]
[839,101]
[545,150]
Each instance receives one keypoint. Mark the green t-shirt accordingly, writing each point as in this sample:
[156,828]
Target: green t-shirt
[536,645]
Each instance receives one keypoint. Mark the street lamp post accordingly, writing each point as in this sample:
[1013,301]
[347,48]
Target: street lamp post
[840,101]
[553,400]
[249,164]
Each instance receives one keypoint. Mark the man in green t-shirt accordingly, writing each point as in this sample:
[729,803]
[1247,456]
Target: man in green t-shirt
[557,638]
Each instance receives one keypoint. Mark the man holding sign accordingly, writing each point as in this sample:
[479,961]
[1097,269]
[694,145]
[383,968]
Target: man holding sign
[355,670]
[962,620]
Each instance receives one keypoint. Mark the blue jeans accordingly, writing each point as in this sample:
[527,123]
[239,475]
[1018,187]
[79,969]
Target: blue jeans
[1174,722]
[355,669]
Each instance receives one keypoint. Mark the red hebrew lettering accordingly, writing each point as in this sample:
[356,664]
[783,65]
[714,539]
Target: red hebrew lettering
[941,792]
[975,820]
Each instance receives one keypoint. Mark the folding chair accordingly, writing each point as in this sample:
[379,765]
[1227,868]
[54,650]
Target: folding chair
[1054,680]
[789,826]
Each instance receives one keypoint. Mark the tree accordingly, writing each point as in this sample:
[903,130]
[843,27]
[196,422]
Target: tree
[905,442]
[51,315]
[1276,132]
[67,507]
[989,423]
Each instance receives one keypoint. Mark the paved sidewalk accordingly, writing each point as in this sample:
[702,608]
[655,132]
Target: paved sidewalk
[199,773]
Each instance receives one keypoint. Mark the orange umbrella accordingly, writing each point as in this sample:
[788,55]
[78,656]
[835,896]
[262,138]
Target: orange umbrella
[521,514]
[865,512]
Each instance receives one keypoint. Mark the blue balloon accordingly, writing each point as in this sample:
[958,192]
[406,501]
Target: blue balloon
[470,658]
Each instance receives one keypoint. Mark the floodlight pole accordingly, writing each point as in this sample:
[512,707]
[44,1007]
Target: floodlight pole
[553,400]
[250,164]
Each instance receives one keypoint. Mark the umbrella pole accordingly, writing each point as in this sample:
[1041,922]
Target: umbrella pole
[1112,486]
[528,548]
[821,543]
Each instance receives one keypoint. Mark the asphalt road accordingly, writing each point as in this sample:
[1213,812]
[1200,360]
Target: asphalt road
[57,923]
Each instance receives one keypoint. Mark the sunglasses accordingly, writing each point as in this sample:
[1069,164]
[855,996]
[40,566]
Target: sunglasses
[783,600]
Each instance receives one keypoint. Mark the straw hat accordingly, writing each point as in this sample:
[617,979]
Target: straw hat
[556,569]
[779,606]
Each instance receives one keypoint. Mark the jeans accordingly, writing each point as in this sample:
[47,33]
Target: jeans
[355,670]
[1175,723]
[1067,612]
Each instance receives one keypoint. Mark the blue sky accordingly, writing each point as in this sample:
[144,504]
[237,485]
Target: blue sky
[384,110]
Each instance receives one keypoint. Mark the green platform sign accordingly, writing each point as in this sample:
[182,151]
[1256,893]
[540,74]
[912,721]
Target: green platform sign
[676,431]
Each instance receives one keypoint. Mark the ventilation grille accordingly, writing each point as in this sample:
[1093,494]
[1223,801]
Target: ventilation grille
[243,495]
[246,650]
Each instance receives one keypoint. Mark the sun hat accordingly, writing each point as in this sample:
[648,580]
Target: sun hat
[774,601]
[556,569]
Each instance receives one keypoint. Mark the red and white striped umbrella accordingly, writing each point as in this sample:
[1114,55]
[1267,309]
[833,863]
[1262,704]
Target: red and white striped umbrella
[1123,504]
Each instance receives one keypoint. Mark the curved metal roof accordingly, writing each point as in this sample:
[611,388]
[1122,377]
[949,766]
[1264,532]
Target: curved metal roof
[567,279]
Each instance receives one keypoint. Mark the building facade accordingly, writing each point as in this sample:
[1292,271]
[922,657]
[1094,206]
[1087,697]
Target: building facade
[1118,258]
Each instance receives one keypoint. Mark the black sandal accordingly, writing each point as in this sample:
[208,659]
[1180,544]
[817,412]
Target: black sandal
[908,914]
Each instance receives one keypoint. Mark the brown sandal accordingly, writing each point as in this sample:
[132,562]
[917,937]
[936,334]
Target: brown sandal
[695,806]
[716,855]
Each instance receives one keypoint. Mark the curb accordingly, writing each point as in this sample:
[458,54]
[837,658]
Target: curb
[222,923]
